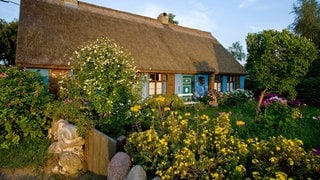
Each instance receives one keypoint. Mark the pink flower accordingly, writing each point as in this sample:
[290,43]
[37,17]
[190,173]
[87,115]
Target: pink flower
[3,75]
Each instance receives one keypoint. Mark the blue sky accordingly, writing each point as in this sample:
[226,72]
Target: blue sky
[227,20]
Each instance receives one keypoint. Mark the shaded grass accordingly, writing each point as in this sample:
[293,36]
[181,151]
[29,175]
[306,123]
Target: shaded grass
[305,129]
[29,153]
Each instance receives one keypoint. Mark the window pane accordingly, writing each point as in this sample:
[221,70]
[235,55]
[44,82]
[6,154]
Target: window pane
[159,88]
[152,88]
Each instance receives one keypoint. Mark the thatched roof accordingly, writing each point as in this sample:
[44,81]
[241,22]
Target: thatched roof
[49,31]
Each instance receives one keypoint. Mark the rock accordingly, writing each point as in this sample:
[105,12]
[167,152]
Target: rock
[157,178]
[70,163]
[121,142]
[137,173]
[119,166]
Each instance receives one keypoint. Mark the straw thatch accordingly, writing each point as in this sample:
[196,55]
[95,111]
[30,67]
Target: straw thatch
[49,31]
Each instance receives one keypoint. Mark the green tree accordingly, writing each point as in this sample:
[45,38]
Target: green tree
[172,20]
[307,24]
[277,60]
[307,20]
[237,51]
[8,41]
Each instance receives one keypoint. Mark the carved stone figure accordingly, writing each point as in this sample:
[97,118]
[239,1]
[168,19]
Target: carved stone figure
[68,145]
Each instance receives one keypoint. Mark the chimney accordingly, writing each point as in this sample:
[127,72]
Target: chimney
[163,18]
[71,3]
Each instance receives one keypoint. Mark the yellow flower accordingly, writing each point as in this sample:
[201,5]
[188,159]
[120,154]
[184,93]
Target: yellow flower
[215,175]
[240,123]
[160,99]
[135,108]
[219,130]
[240,169]
[281,175]
[166,109]
[273,159]
[291,162]
[250,140]
[187,114]
[255,161]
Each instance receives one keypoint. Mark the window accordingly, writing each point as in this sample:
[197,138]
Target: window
[231,83]
[157,84]
[217,83]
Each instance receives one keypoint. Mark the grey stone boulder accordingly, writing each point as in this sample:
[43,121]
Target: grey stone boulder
[137,173]
[119,166]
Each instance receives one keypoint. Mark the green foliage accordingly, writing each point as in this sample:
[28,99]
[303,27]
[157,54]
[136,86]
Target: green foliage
[237,51]
[8,41]
[30,152]
[172,20]
[173,102]
[277,60]
[277,118]
[184,146]
[105,80]
[281,158]
[307,19]
[235,98]
[22,100]
[72,110]
[308,91]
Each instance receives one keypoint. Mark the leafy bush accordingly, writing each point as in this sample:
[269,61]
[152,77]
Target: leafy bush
[104,78]
[23,97]
[72,110]
[186,147]
[308,90]
[173,102]
[277,115]
[281,158]
[235,98]
[183,146]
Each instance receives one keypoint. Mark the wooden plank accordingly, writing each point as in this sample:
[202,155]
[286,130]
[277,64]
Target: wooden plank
[99,150]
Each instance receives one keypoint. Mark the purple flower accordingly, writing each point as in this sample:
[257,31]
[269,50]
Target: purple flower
[317,151]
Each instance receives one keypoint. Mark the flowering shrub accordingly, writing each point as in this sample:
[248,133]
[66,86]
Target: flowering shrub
[184,146]
[22,100]
[188,147]
[281,158]
[235,98]
[105,79]
[278,114]
[174,102]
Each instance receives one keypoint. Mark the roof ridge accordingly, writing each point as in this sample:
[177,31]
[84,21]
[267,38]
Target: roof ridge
[140,19]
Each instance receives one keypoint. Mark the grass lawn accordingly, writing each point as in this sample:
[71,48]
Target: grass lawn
[305,129]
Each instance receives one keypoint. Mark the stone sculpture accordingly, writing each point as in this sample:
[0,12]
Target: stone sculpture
[68,145]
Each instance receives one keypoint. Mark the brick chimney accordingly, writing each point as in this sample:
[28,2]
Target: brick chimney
[163,18]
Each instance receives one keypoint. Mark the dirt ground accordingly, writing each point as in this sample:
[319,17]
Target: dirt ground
[30,174]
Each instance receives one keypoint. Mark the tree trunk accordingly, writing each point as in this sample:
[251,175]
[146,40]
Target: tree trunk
[260,101]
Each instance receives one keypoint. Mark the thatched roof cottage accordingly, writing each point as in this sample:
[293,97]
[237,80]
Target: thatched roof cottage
[173,58]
